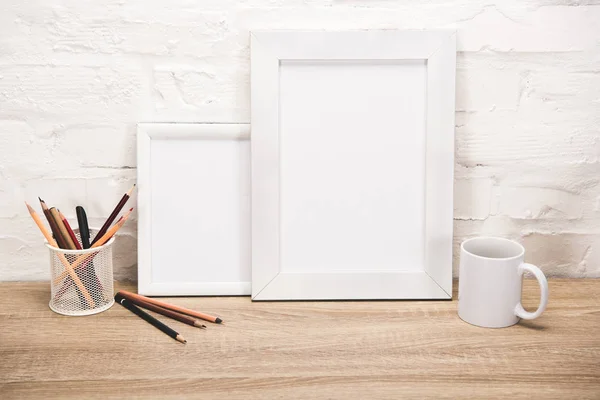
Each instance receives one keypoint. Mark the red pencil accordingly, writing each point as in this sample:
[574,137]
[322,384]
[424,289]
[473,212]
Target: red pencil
[71,233]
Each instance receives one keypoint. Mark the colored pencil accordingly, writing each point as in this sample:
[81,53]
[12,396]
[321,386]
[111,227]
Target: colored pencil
[149,318]
[113,215]
[62,228]
[63,245]
[85,275]
[88,273]
[83,258]
[55,231]
[167,313]
[114,229]
[70,231]
[69,269]
[171,307]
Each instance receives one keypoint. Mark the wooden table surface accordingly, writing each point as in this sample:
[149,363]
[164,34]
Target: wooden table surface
[345,350]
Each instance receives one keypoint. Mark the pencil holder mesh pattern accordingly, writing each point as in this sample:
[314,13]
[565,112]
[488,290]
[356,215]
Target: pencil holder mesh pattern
[81,280]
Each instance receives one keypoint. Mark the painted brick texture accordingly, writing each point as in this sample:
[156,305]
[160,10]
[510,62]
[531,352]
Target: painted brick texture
[75,78]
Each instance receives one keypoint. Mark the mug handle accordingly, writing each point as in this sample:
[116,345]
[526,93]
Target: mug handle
[539,275]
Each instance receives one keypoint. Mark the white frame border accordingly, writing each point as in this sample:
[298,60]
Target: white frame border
[146,132]
[268,48]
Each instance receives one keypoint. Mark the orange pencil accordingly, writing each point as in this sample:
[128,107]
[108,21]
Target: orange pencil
[172,307]
[113,215]
[111,232]
[68,267]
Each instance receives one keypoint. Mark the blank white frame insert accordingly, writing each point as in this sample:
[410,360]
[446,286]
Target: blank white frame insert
[352,164]
[193,209]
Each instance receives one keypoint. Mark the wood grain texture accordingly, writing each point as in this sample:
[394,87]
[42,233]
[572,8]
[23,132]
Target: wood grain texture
[361,350]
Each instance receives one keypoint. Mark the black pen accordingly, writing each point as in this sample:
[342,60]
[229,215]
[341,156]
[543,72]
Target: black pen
[89,271]
[84,229]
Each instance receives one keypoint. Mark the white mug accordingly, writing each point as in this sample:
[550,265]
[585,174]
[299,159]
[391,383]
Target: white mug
[489,283]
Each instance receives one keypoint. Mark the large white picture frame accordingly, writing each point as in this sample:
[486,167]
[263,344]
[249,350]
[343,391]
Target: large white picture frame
[352,164]
[193,209]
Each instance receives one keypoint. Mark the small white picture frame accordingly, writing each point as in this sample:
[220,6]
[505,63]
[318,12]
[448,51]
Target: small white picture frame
[193,209]
[352,164]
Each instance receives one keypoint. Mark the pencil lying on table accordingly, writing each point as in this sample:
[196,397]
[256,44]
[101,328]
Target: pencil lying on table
[148,318]
[172,307]
[167,313]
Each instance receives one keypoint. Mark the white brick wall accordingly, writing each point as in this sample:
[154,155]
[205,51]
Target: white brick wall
[75,78]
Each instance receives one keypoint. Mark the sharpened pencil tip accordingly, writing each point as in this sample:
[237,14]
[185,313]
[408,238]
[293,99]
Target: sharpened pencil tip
[199,324]
[180,338]
[218,320]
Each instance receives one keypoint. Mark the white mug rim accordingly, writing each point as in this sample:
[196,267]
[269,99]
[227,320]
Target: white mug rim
[521,253]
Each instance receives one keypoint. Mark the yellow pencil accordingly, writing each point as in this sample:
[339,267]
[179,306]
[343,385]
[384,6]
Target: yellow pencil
[68,267]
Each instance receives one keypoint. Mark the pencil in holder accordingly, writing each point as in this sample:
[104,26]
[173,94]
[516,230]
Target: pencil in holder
[81,281]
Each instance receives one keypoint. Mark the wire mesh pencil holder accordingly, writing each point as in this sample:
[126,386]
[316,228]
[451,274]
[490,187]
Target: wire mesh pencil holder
[81,281]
